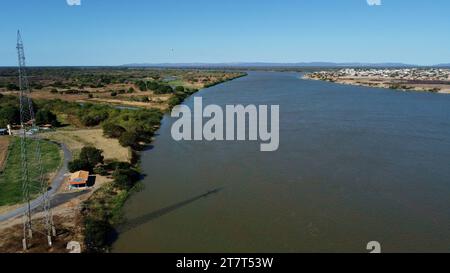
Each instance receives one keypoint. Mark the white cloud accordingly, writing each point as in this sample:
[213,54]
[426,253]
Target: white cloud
[74,2]
[374,2]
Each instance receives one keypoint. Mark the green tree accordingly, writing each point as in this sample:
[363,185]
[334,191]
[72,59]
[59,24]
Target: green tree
[126,178]
[152,85]
[44,116]
[9,115]
[179,89]
[142,85]
[113,130]
[78,165]
[129,139]
[12,87]
[93,117]
[91,156]
[164,89]
[96,232]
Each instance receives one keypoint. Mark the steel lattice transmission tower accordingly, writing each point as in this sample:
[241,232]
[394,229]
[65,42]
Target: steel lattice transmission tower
[33,179]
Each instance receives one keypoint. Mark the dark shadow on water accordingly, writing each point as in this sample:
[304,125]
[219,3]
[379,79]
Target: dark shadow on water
[136,222]
[148,148]
[133,223]
[142,176]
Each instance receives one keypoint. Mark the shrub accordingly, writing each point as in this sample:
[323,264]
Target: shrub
[117,165]
[179,89]
[77,165]
[141,85]
[37,86]
[113,130]
[9,115]
[125,178]
[92,156]
[89,158]
[129,139]
[96,232]
[100,170]
[44,116]
[174,101]
[164,89]
[144,99]
[91,116]
[12,87]
[152,85]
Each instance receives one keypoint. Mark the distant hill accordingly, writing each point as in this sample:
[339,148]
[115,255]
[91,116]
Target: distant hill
[263,64]
[443,65]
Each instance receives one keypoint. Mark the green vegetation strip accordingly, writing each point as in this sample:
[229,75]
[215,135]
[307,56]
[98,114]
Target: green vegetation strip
[103,211]
[10,179]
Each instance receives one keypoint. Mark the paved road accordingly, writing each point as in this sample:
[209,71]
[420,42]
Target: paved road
[56,184]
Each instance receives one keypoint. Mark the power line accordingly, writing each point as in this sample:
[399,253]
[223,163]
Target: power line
[31,157]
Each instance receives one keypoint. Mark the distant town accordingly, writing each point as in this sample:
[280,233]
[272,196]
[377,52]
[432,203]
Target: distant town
[418,79]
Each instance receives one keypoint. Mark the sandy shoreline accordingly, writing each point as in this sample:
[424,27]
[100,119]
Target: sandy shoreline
[386,84]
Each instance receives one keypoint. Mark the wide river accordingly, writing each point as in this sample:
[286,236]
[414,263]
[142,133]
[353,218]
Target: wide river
[355,165]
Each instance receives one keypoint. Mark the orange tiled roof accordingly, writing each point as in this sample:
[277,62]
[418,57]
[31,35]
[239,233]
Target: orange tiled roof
[79,178]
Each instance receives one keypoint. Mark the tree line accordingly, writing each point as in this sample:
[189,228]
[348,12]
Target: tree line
[10,113]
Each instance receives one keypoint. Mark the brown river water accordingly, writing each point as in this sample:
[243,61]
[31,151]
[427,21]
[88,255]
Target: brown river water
[355,165]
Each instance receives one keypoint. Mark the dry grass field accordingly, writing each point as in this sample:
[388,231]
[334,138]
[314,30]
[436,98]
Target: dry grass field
[76,139]
[113,86]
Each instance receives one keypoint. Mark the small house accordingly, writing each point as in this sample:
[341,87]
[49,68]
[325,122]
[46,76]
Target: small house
[79,180]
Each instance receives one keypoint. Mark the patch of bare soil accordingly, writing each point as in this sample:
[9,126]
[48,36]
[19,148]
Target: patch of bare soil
[68,221]
[4,144]
[69,228]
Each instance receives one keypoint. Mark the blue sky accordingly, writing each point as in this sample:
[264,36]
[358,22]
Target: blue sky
[114,32]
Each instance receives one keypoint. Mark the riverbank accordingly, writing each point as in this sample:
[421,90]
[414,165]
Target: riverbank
[386,82]
[349,169]
[102,212]
[89,216]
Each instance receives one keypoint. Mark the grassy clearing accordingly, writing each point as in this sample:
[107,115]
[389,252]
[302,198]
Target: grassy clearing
[179,82]
[10,179]
[76,139]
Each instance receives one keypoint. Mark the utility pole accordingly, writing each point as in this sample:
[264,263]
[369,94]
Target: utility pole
[31,157]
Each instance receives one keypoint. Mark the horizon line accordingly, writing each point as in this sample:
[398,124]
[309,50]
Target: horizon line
[256,63]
